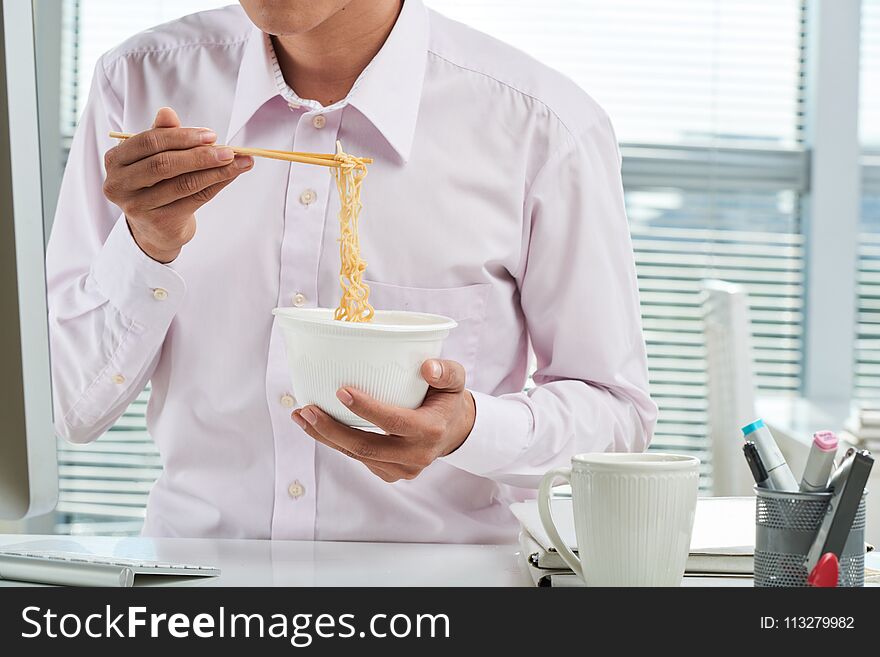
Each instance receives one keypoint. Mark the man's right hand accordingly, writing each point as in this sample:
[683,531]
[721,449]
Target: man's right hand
[160,177]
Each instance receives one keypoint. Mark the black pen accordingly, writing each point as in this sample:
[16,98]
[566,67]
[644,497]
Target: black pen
[756,465]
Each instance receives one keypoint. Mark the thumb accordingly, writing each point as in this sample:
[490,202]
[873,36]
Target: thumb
[445,375]
[166,118]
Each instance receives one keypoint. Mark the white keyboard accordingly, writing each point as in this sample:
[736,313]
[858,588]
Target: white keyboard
[77,569]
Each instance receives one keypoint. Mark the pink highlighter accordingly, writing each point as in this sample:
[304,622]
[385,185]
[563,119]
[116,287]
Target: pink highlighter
[819,462]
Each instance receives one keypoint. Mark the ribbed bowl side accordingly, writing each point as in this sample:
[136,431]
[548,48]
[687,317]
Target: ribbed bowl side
[325,357]
[316,382]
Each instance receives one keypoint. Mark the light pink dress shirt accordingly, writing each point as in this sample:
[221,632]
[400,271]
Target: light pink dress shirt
[495,198]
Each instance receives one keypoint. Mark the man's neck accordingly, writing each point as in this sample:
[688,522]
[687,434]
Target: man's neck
[324,63]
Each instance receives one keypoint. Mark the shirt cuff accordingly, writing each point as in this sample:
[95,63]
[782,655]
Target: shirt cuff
[501,432]
[144,290]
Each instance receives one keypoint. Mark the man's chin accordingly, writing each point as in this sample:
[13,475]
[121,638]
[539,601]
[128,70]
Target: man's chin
[290,17]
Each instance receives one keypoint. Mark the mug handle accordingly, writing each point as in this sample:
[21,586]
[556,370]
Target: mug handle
[547,518]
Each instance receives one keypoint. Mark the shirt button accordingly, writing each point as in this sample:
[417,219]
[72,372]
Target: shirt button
[308,197]
[319,121]
[160,294]
[287,401]
[118,379]
[299,299]
[296,490]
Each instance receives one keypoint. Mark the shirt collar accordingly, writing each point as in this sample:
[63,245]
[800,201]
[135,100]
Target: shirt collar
[387,92]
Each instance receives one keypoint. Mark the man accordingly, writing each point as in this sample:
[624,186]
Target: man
[494,198]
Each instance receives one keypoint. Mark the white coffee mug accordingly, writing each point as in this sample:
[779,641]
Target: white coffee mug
[633,516]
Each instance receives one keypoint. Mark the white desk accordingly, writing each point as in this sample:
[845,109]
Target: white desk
[322,563]
[305,563]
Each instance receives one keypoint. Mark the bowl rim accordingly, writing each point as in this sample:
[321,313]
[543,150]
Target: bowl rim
[318,316]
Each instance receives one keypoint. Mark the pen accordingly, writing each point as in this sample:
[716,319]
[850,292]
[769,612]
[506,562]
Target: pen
[759,472]
[847,485]
[819,462]
[779,475]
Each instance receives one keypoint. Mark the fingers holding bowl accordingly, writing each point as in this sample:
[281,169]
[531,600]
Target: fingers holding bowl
[359,444]
[446,375]
[361,448]
[390,419]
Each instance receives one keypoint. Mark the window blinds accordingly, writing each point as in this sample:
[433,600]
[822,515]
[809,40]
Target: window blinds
[867,347]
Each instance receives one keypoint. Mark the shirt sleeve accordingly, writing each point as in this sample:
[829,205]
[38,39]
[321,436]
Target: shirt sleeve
[110,305]
[579,296]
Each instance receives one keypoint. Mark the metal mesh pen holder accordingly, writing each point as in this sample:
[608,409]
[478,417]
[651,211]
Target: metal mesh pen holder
[785,526]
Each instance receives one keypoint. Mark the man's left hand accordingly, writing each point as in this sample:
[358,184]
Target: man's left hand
[415,438]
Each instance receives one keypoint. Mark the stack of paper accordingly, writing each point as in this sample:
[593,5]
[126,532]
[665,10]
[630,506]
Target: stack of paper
[722,544]
[864,426]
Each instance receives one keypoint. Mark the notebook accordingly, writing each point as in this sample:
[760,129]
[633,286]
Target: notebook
[558,578]
[722,542]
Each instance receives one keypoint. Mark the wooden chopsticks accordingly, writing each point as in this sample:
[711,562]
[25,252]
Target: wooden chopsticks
[321,159]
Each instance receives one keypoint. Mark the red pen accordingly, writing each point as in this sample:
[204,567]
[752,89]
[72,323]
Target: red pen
[826,571]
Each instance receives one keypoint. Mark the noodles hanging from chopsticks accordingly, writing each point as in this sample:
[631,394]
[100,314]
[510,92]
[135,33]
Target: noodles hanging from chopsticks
[354,306]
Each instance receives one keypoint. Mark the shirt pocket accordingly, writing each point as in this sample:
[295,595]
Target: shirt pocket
[466,305]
